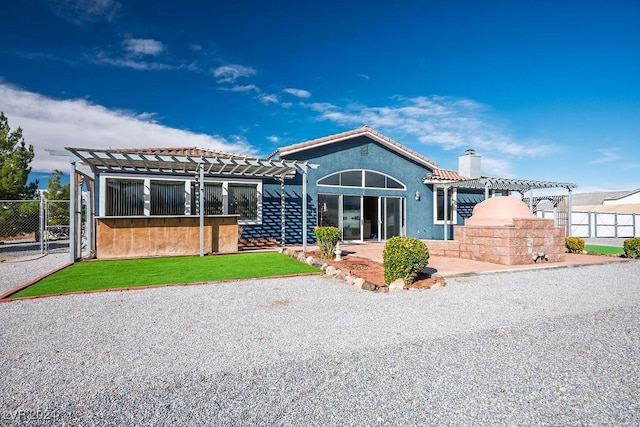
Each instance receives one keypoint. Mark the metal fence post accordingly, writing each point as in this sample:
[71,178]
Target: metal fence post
[41,225]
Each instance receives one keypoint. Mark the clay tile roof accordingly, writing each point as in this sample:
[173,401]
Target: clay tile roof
[445,175]
[182,151]
[352,133]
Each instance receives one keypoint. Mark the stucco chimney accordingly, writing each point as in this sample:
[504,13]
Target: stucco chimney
[469,164]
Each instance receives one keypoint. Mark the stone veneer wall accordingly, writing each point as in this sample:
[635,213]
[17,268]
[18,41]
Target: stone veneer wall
[448,248]
[512,245]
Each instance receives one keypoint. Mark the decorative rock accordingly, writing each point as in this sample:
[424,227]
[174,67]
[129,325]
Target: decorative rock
[383,289]
[397,285]
[437,284]
[309,260]
[300,256]
[350,279]
[369,287]
[358,282]
[324,266]
[337,273]
[330,270]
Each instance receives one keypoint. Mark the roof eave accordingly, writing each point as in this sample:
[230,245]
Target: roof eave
[364,132]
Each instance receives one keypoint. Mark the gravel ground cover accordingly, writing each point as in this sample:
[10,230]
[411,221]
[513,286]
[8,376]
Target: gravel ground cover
[546,347]
[17,270]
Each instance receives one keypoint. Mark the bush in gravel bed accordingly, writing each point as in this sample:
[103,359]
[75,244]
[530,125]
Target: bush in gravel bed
[575,245]
[404,258]
[328,238]
[632,247]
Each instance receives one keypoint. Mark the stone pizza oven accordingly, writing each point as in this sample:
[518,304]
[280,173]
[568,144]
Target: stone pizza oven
[502,230]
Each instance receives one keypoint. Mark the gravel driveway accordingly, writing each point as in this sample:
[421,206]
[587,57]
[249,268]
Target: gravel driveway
[548,347]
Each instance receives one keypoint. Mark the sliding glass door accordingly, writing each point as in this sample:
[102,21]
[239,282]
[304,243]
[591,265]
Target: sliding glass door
[362,218]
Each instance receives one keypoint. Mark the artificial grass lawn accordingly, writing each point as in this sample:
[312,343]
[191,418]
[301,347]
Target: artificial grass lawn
[94,275]
[605,250]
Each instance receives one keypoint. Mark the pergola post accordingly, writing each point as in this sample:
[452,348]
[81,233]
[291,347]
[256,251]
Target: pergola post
[88,227]
[304,210]
[283,209]
[201,205]
[569,210]
[79,179]
[72,214]
[446,214]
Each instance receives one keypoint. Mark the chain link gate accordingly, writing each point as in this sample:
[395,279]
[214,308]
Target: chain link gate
[31,227]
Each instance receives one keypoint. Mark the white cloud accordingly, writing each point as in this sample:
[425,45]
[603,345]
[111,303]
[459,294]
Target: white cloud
[448,122]
[273,139]
[230,73]
[606,156]
[241,88]
[143,46]
[83,12]
[54,124]
[497,167]
[300,93]
[136,64]
[268,98]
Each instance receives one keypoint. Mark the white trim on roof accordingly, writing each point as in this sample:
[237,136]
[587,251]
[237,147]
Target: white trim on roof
[393,147]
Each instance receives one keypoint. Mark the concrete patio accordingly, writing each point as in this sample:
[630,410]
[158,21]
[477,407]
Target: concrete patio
[450,267]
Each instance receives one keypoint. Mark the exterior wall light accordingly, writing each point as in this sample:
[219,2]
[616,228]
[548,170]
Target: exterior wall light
[417,195]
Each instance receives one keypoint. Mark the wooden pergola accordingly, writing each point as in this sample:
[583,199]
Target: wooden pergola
[522,186]
[87,163]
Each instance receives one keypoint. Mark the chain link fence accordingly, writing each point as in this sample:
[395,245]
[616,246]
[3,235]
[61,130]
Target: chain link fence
[31,227]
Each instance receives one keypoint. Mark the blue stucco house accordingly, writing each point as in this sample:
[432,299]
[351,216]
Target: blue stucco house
[368,185]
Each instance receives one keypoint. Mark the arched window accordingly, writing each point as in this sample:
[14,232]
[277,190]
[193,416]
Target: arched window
[362,179]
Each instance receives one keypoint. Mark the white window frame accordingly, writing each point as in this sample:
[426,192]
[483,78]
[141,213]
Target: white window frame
[362,180]
[452,193]
[187,180]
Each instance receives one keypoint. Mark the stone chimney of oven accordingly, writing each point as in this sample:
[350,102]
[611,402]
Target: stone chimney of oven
[469,164]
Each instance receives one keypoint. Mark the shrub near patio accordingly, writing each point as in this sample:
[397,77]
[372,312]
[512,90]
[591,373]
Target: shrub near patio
[328,238]
[575,245]
[404,258]
[632,248]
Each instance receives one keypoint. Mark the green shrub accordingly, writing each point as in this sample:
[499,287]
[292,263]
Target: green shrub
[575,245]
[404,258]
[632,247]
[328,238]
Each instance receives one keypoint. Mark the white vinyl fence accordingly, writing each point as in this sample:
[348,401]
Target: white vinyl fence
[605,224]
[601,224]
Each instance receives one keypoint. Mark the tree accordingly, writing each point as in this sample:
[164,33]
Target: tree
[58,196]
[15,160]
[55,190]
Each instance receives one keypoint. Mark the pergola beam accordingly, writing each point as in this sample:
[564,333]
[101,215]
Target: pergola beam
[114,161]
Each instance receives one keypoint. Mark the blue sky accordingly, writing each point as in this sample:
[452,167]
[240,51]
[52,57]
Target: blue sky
[546,90]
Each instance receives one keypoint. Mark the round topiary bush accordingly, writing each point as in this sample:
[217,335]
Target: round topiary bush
[404,258]
[632,247]
[575,245]
[328,238]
